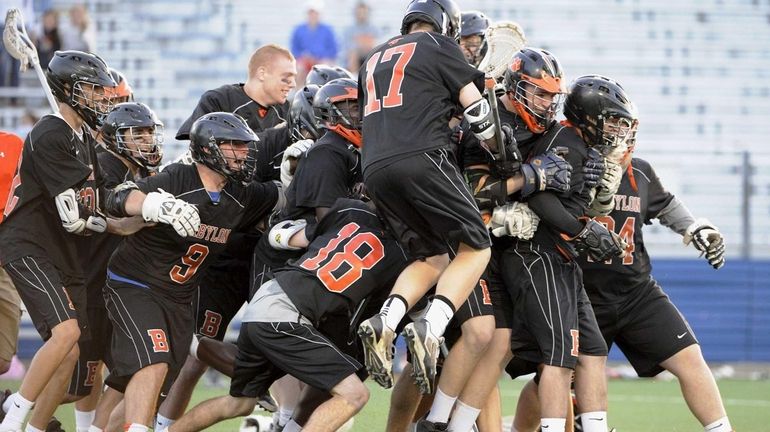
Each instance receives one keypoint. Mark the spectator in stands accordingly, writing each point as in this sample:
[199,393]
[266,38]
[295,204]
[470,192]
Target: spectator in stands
[359,38]
[313,41]
[49,40]
[26,122]
[80,34]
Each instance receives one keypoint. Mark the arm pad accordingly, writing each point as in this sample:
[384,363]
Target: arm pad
[116,200]
[281,233]
[479,116]
[489,192]
[676,216]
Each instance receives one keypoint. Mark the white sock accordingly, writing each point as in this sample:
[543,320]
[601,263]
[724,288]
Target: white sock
[284,415]
[594,421]
[136,427]
[16,412]
[83,419]
[7,403]
[463,417]
[553,424]
[439,313]
[441,408]
[93,428]
[162,422]
[393,311]
[292,426]
[721,425]
[31,428]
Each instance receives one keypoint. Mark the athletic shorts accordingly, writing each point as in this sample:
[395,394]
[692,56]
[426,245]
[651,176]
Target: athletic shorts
[10,315]
[223,289]
[50,296]
[92,352]
[426,203]
[647,327]
[269,350]
[502,306]
[544,289]
[147,329]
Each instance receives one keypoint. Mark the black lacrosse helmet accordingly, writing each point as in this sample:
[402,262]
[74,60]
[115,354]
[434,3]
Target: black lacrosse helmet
[475,23]
[336,106]
[321,74]
[596,105]
[213,129]
[74,76]
[533,68]
[120,132]
[301,115]
[444,15]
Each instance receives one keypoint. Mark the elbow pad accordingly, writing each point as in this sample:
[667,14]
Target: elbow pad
[75,218]
[479,116]
[116,200]
[282,232]
[488,192]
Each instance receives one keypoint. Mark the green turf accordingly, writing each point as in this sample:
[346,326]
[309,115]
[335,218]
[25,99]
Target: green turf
[635,406]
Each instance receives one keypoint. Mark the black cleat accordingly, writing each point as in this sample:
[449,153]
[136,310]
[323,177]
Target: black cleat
[427,426]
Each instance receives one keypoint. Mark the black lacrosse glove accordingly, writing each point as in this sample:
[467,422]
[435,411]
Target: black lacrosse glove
[593,169]
[509,165]
[598,242]
[547,171]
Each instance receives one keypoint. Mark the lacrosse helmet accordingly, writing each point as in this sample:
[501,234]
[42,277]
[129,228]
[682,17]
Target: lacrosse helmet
[210,131]
[534,83]
[336,107]
[444,15]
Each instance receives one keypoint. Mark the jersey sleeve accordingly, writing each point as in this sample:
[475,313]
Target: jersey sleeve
[209,102]
[165,180]
[113,170]
[658,197]
[321,178]
[260,202]
[272,142]
[453,69]
[56,167]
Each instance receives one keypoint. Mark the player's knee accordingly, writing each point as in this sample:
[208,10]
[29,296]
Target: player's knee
[358,396]
[687,361]
[192,369]
[66,332]
[591,361]
[478,333]
[240,406]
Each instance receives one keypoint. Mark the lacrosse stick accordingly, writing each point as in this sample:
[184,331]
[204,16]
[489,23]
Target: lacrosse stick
[504,39]
[20,47]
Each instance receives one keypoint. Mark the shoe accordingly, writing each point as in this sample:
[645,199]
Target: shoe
[54,425]
[267,403]
[424,347]
[3,396]
[377,340]
[427,426]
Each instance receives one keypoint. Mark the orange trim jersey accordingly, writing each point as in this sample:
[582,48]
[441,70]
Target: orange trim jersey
[10,152]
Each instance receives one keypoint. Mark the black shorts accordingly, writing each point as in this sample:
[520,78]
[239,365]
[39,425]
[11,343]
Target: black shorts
[502,306]
[92,352]
[50,296]
[544,289]
[647,327]
[269,350]
[223,289]
[479,303]
[426,203]
[147,329]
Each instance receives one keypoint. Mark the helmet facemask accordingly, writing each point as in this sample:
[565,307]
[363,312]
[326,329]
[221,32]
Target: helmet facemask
[143,144]
[236,160]
[92,102]
[474,47]
[536,104]
[614,134]
[343,118]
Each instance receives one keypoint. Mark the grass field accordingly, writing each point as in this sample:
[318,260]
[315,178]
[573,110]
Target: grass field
[635,406]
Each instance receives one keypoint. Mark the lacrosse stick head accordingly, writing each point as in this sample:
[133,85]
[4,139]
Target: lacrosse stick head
[535,83]
[503,39]
[16,40]
[444,15]
[601,109]
[82,81]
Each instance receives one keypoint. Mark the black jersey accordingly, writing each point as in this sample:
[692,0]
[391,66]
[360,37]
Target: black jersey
[350,257]
[639,199]
[54,159]
[408,87]
[232,98]
[326,172]
[575,201]
[159,259]
[95,251]
[272,142]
